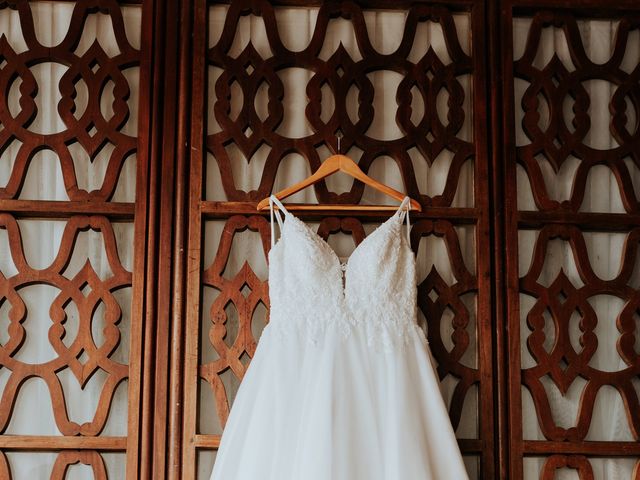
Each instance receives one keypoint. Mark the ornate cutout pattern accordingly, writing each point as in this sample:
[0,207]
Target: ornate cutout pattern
[83,357]
[85,124]
[93,340]
[561,331]
[428,77]
[563,137]
[232,291]
[564,363]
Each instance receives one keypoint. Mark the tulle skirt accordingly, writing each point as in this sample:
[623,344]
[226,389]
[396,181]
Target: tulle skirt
[339,411]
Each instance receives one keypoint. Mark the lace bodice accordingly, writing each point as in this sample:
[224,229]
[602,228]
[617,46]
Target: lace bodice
[310,299]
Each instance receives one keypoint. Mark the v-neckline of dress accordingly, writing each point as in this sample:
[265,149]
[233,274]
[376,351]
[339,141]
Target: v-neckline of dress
[338,264]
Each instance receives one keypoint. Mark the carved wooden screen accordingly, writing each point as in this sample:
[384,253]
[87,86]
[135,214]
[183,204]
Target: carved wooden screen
[73,220]
[572,187]
[275,94]
[264,87]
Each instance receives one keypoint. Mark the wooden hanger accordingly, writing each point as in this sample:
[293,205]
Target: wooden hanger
[344,164]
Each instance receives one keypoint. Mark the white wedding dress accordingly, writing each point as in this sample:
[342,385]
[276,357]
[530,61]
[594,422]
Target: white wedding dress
[341,386]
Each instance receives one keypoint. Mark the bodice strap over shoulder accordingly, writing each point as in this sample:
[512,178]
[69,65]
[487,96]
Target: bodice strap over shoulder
[273,199]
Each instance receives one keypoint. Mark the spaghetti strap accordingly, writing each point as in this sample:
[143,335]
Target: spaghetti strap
[273,199]
[404,208]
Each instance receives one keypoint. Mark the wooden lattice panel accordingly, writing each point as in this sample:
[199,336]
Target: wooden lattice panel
[86,125]
[561,299]
[425,78]
[243,122]
[71,234]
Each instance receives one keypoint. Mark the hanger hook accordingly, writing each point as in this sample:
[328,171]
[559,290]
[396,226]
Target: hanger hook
[339,138]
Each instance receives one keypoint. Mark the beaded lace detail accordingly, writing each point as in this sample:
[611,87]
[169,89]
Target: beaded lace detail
[314,295]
